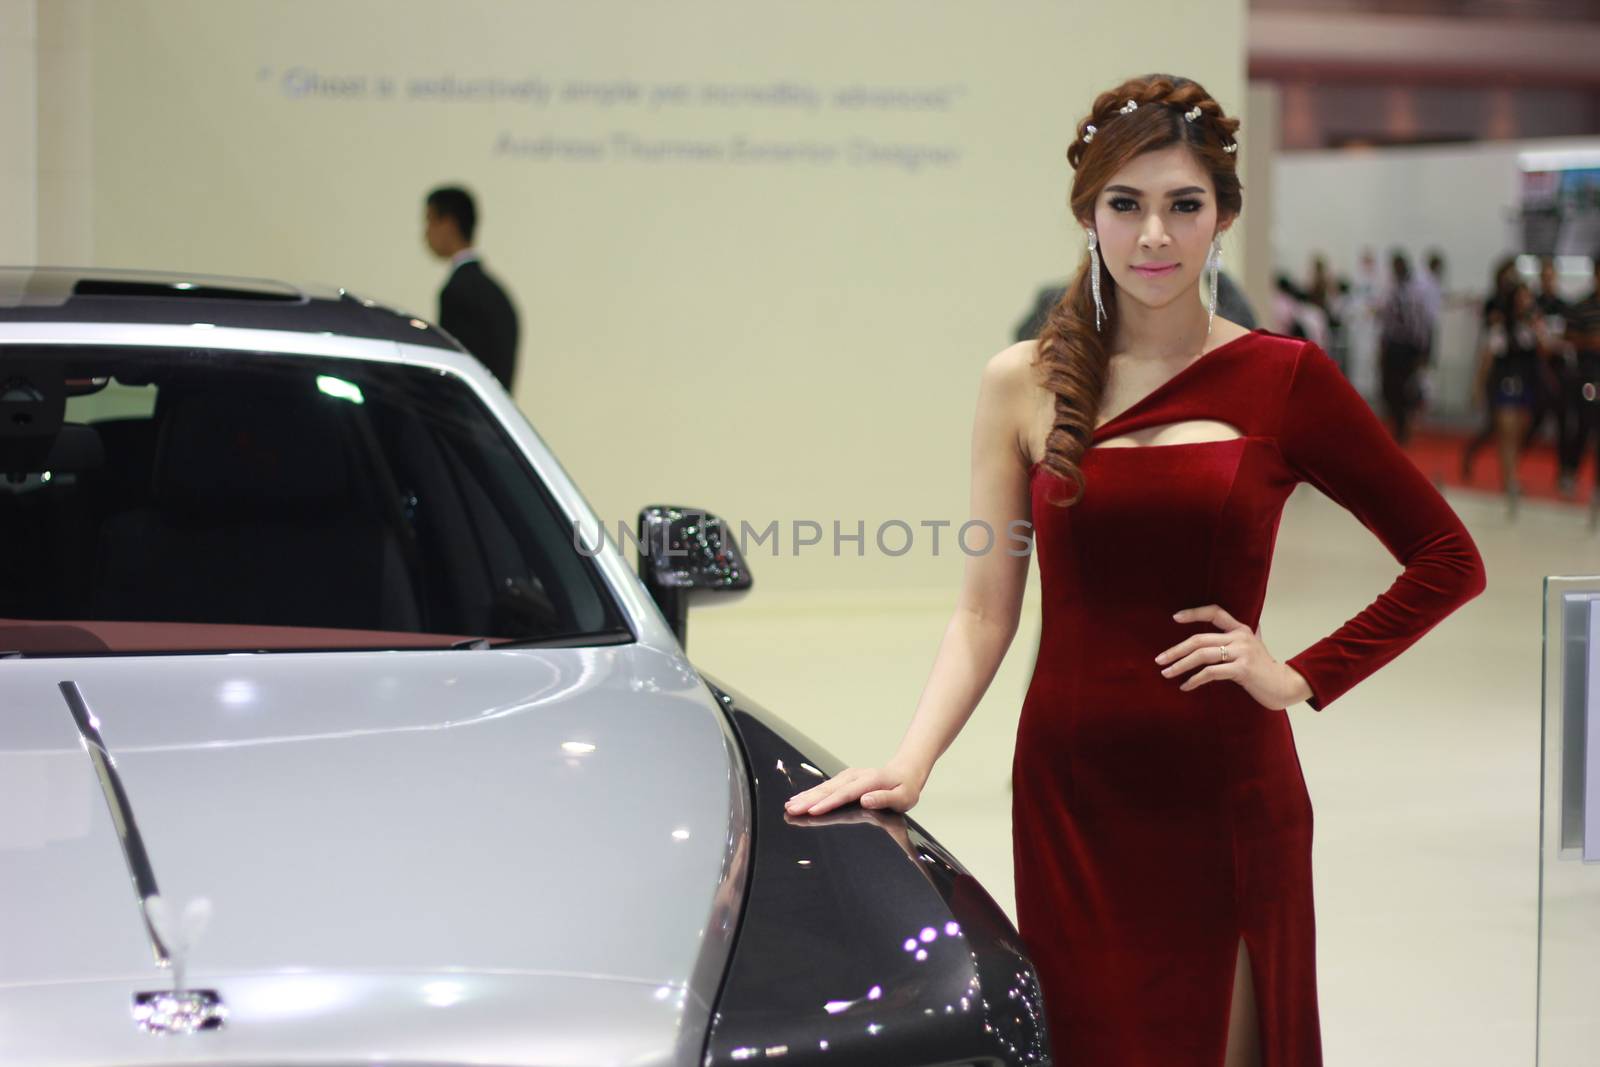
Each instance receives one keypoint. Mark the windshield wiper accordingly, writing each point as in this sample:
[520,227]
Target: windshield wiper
[576,639]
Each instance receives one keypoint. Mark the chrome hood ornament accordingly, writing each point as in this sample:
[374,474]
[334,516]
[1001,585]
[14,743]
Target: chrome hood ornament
[177,934]
[182,1011]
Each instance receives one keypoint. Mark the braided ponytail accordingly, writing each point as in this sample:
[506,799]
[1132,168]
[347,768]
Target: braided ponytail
[1073,358]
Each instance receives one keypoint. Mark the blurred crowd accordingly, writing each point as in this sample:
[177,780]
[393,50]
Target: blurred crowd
[1534,368]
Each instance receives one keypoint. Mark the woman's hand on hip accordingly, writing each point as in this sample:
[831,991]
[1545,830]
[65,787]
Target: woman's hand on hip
[1232,652]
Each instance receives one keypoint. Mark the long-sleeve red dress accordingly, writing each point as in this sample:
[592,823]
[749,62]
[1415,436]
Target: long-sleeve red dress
[1153,828]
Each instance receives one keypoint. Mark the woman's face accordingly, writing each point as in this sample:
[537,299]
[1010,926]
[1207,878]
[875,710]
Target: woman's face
[1160,212]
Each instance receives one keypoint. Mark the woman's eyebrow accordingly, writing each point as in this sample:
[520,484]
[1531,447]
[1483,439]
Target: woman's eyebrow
[1185,191]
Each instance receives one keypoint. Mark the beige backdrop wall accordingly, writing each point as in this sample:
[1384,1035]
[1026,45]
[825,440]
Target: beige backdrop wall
[762,251]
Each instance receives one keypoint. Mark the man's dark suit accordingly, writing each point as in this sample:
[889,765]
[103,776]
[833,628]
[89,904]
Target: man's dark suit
[476,311]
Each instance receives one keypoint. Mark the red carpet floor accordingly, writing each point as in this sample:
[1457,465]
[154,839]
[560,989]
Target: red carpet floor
[1437,453]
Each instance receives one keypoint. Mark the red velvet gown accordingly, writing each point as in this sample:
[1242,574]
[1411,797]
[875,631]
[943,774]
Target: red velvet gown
[1153,827]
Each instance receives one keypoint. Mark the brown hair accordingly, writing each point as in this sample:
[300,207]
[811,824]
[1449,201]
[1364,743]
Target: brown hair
[1072,353]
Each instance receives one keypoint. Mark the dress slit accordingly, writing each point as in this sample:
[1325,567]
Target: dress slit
[1245,960]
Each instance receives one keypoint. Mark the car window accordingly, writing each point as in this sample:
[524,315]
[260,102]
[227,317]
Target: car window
[264,501]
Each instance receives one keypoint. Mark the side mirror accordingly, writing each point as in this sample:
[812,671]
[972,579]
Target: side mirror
[686,556]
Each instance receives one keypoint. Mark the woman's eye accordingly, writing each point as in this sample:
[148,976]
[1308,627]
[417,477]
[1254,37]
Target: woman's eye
[1125,204]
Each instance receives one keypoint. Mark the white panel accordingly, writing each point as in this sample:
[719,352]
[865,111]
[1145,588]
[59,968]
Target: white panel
[1591,756]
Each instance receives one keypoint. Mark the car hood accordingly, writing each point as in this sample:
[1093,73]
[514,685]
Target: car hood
[512,846]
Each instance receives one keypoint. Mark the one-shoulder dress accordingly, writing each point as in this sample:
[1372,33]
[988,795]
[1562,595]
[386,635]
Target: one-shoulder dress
[1154,828]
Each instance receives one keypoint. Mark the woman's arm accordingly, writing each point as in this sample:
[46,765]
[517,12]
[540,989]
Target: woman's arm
[1332,439]
[990,601]
[987,610]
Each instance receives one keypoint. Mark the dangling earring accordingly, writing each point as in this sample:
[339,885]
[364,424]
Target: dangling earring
[1214,261]
[1094,279]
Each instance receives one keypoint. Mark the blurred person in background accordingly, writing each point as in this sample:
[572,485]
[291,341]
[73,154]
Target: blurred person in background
[473,308]
[1557,383]
[1508,364]
[1583,331]
[1341,311]
[1403,333]
[1367,286]
[1430,287]
[1320,288]
[1505,280]
[1361,325]
[1321,292]
[1294,314]
[1231,305]
[1493,314]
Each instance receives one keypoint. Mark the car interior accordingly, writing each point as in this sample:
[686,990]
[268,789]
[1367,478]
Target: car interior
[220,488]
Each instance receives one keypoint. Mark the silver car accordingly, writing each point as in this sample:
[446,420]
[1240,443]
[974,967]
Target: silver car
[335,732]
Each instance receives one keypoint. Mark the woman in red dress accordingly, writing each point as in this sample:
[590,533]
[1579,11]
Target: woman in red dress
[1161,826]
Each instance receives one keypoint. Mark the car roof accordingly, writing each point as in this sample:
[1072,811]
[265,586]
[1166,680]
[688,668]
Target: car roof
[100,295]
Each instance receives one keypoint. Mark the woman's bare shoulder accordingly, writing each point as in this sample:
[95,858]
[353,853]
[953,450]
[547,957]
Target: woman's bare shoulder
[1014,393]
[1015,367]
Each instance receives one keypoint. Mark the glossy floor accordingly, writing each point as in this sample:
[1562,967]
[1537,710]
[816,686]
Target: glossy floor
[1424,777]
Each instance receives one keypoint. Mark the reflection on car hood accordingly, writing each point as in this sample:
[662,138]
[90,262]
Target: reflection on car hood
[378,833]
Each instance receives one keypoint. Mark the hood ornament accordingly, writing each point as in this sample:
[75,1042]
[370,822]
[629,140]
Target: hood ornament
[171,936]
[187,1012]
[181,1011]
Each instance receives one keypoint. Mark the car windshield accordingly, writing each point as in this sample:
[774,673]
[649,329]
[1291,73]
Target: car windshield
[202,500]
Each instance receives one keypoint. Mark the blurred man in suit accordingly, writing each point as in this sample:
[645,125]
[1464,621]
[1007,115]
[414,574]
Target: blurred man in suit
[472,306]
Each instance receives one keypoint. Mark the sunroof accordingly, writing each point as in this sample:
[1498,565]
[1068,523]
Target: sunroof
[178,290]
[54,286]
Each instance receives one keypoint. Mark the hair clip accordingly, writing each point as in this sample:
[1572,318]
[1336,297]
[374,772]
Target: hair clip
[1192,114]
[1231,147]
[1131,105]
[1088,134]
